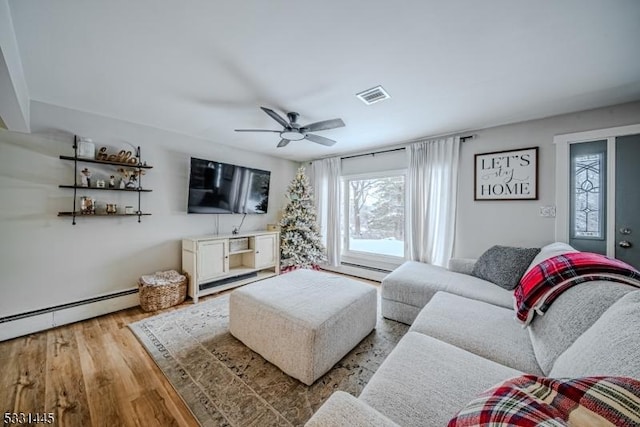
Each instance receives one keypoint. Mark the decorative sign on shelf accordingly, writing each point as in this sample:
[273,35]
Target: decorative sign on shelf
[507,175]
[122,156]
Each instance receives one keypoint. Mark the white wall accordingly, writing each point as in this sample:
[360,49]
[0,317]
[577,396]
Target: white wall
[14,95]
[46,261]
[481,224]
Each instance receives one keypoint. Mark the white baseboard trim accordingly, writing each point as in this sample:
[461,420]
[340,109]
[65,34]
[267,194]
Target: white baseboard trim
[40,320]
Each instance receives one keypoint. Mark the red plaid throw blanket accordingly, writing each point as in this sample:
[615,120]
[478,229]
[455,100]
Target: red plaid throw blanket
[537,401]
[547,280]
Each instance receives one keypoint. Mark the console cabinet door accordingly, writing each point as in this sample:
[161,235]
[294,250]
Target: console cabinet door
[212,259]
[266,251]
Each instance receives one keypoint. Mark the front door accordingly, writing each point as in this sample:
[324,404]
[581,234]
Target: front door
[594,226]
[627,221]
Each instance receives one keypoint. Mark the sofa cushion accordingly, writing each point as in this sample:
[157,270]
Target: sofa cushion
[342,409]
[414,283]
[399,311]
[569,316]
[537,401]
[480,328]
[462,265]
[504,265]
[548,251]
[609,347]
[425,381]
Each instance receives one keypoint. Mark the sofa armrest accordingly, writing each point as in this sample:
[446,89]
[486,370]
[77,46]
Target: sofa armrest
[342,409]
[462,265]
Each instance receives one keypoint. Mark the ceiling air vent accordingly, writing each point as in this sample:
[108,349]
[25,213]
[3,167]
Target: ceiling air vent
[373,95]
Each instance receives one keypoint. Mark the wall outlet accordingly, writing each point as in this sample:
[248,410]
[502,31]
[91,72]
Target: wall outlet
[548,211]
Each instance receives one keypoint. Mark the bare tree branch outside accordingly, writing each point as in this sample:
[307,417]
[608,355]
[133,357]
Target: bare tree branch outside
[376,215]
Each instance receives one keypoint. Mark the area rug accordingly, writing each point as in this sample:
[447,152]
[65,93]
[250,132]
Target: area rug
[226,384]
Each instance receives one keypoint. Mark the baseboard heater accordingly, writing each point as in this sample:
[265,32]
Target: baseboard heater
[365,267]
[224,281]
[28,322]
[66,306]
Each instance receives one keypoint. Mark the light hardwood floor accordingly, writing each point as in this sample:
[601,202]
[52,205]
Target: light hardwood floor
[90,373]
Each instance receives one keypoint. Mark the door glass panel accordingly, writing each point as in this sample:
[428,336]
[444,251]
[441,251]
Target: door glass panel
[588,185]
[588,220]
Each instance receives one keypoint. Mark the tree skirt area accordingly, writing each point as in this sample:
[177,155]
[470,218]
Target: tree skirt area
[224,383]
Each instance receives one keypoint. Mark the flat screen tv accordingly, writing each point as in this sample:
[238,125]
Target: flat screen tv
[222,188]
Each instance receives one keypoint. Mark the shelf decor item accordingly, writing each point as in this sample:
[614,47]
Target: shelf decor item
[87,205]
[122,156]
[85,178]
[86,148]
[111,208]
[163,289]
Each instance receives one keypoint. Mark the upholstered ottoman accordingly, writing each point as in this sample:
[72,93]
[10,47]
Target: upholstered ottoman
[304,321]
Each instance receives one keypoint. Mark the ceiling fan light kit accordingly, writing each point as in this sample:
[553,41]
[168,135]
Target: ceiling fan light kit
[292,135]
[294,132]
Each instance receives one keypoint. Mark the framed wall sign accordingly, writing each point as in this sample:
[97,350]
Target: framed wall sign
[506,175]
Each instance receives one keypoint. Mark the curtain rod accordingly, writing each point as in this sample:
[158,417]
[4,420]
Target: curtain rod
[373,153]
[462,139]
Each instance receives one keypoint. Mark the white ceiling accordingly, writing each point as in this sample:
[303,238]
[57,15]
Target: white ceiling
[203,68]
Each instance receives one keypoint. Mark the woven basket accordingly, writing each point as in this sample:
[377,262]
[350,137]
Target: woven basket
[157,297]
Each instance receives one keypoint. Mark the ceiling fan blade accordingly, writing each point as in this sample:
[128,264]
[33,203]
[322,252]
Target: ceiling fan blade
[257,130]
[320,140]
[324,125]
[275,116]
[283,142]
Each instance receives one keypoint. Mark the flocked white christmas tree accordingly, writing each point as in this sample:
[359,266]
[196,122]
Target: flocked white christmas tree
[300,244]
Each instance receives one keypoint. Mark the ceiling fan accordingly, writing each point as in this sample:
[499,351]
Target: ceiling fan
[294,132]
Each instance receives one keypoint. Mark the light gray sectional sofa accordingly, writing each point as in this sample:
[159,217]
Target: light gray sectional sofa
[412,285]
[464,339]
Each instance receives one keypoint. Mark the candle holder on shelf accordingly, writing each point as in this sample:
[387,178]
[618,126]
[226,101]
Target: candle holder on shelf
[87,205]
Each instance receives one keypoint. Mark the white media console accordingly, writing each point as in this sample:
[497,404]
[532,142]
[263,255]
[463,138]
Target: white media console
[216,262]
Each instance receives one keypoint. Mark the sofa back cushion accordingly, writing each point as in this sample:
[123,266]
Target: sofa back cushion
[570,315]
[611,347]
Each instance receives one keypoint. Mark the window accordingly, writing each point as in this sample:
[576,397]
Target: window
[374,221]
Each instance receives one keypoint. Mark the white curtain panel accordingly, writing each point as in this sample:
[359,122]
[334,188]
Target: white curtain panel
[432,186]
[325,178]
